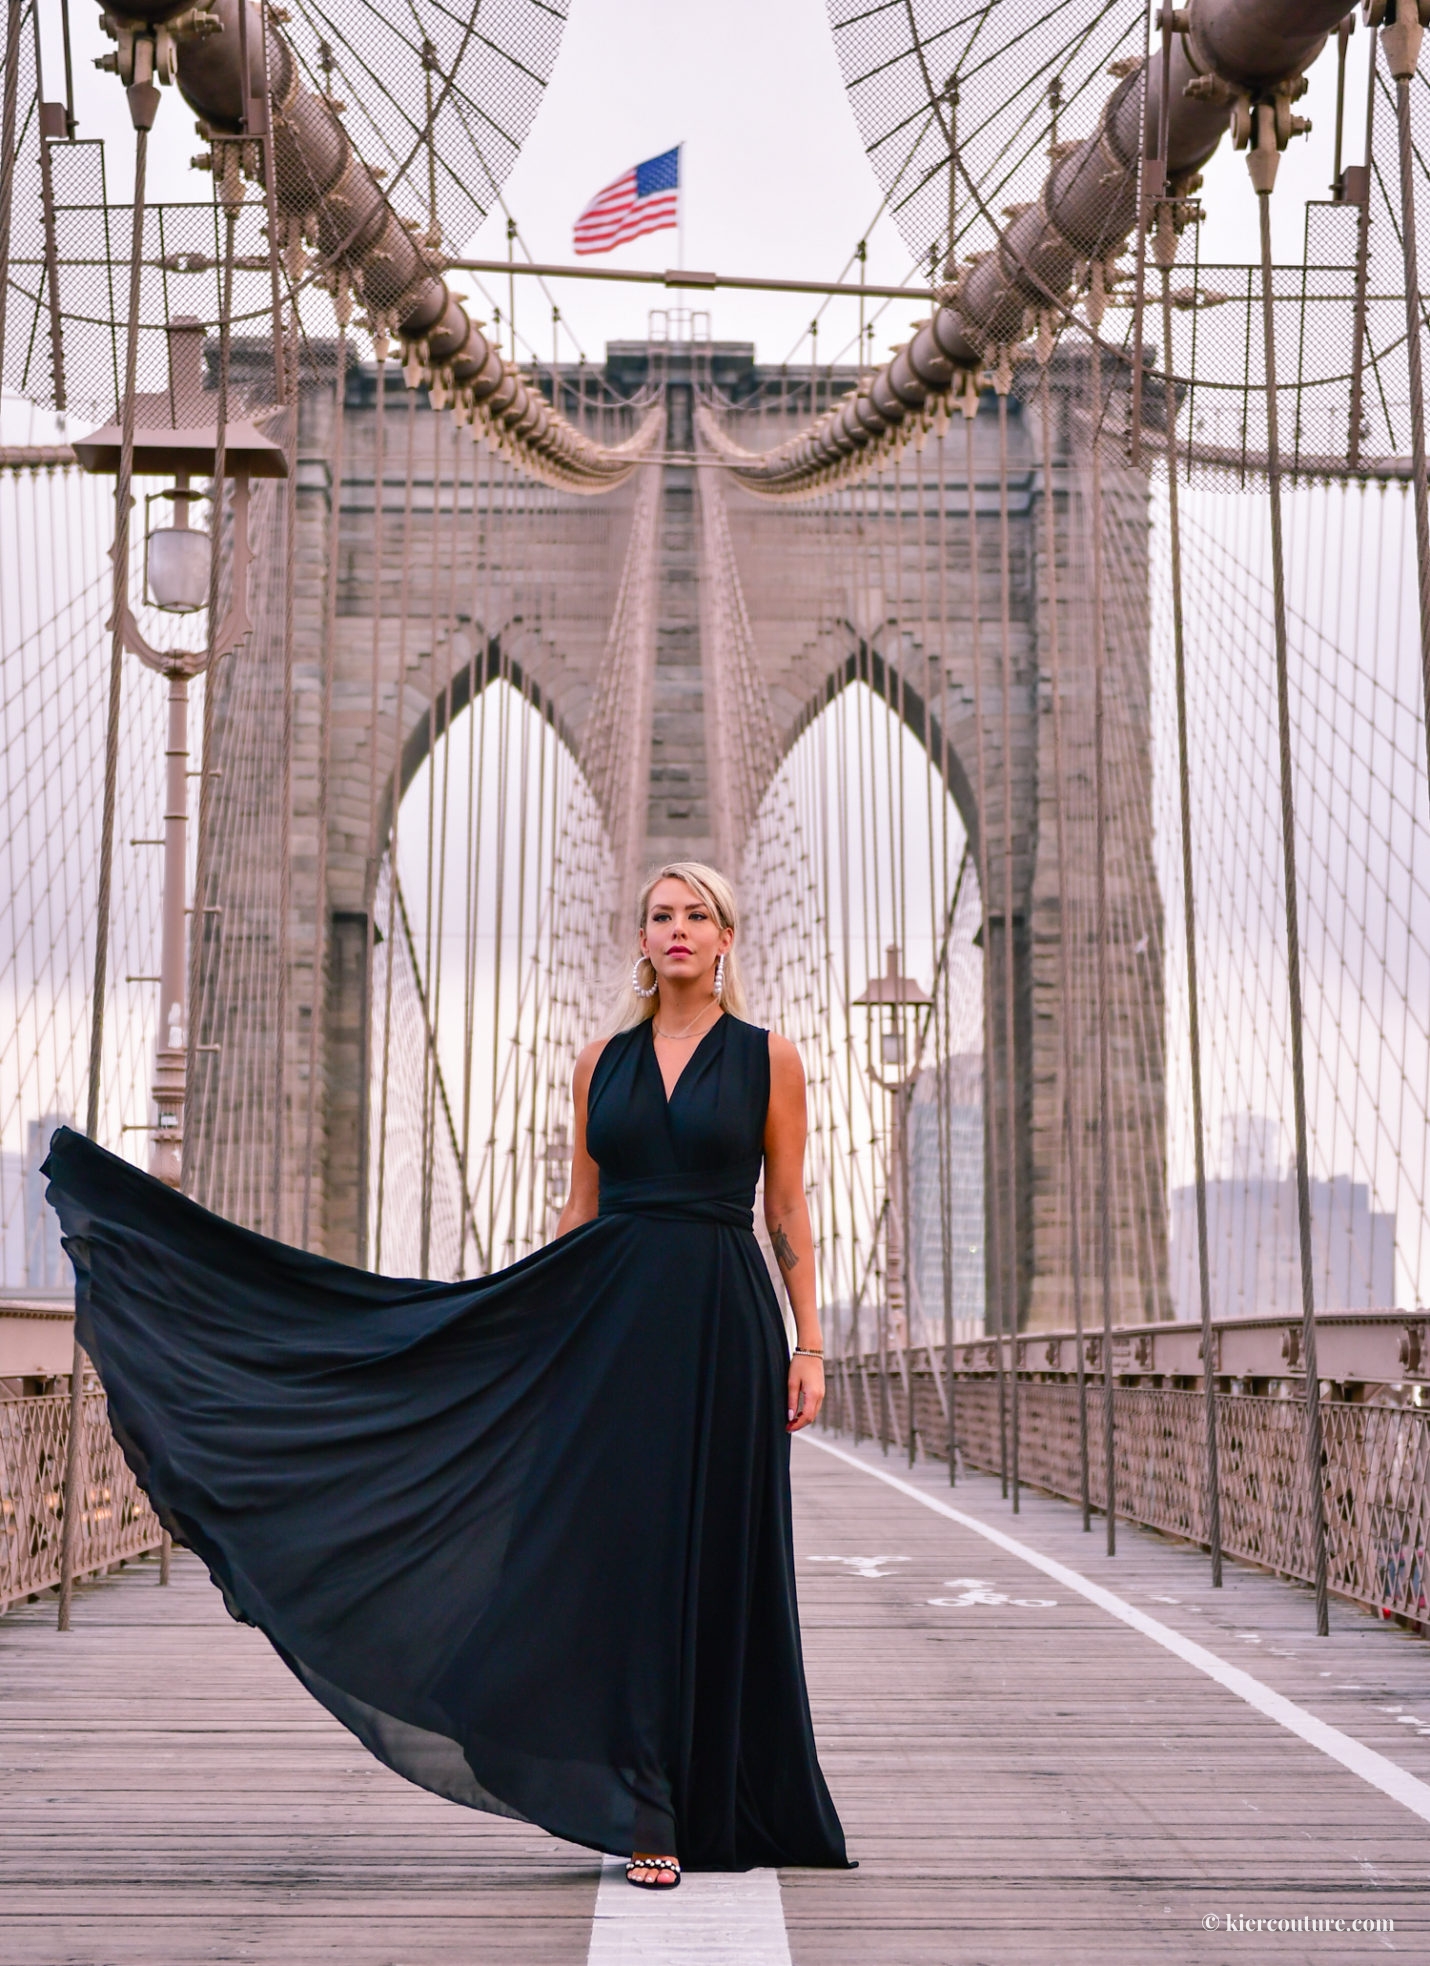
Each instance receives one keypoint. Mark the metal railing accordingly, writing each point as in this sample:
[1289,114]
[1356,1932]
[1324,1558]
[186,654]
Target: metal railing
[115,1519]
[1375,1469]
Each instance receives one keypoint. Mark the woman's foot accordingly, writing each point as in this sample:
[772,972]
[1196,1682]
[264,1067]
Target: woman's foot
[653,1873]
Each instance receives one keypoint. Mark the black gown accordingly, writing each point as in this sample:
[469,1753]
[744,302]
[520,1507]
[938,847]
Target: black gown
[527,1536]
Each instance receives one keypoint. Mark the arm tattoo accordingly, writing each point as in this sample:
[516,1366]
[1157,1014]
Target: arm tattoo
[783,1247]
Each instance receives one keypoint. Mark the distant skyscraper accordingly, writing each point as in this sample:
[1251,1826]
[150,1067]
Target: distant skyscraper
[963,1076]
[46,1265]
[12,1221]
[1254,1238]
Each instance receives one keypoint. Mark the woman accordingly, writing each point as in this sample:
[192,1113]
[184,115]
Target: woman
[528,1536]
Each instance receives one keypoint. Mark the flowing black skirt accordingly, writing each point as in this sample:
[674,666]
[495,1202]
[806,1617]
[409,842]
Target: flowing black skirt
[528,1536]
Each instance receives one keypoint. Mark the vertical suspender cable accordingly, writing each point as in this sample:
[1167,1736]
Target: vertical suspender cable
[1139,286]
[143,103]
[992,1159]
[895,688]
[1012,1290]
[937,893]
[284,372]
[428,982]
[1315,1496]
[1362,283]
[262,103]
[9,95]
[503,776]
[867,795]
[437,820]
[945,1130]
[1402,47]
[476,762]
[1070,1103]
[52,258]
[1104,1069]
[282,994]
[394,811]
[374,858]
[1189,931]
[1166,256]
[199,965]
[325,717]
[523,725]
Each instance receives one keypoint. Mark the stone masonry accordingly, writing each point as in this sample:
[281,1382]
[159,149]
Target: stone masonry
[505,578]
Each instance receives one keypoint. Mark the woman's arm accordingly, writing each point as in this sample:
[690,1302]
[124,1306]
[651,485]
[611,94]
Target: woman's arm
[583,1201]
[787,1219]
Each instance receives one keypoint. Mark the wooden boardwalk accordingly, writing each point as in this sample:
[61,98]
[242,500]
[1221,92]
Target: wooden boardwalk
[1024,1776]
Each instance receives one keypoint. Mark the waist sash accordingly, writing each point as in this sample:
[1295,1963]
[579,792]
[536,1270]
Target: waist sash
[726,1198]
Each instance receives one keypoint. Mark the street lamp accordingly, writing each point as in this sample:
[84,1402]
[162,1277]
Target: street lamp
[893,1005]
[177,568]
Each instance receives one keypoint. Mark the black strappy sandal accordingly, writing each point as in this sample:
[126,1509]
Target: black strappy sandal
[652,1863]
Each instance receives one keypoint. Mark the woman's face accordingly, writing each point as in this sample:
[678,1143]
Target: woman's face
[682,937]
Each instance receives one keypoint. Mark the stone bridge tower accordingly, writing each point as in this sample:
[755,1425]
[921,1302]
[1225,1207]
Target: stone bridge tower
[443,625]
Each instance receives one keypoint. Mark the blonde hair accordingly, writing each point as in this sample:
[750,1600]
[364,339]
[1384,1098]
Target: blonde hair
[719,897]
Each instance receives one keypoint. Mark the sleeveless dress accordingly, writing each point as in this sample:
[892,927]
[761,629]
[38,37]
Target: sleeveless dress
[527,1536]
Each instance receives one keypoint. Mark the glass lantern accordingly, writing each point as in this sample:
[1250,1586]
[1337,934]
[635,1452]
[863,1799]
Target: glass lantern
[176,559]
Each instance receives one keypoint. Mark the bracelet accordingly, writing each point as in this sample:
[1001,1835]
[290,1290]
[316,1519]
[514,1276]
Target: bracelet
[806,1351]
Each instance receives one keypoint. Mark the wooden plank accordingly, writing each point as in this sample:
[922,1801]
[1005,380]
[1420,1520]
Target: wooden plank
[1020,1781]
[169,1793]
[1027,1781]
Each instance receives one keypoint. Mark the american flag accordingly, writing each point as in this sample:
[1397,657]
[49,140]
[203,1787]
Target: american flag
[644,199]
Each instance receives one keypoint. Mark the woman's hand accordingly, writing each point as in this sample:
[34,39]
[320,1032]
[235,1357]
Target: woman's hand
[806,1391]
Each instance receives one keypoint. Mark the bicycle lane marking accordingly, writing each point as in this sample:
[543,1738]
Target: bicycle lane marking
[1372,1767]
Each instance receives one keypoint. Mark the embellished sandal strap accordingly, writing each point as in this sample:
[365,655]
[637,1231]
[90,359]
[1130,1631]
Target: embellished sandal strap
[652,1863]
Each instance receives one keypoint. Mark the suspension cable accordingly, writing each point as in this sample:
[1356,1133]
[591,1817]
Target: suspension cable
[1012,1279]
[1189,931]
[325,716]
[1104,1069]
[123,499]
[1069,1062]
[992,1208]
[1314,1453]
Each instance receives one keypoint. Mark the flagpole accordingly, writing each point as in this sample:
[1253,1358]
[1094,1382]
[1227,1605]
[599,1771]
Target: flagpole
[680,206]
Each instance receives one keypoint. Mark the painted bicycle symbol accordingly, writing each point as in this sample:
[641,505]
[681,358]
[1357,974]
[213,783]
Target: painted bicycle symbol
[978,1590]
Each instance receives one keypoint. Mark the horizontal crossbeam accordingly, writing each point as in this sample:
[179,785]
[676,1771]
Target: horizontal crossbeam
[678,276]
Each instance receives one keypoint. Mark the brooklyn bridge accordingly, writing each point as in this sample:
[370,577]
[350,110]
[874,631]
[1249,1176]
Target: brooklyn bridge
[1052,684]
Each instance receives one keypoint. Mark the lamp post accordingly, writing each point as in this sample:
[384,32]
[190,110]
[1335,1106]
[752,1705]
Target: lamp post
[176,562]
[177,566]
[893,1004]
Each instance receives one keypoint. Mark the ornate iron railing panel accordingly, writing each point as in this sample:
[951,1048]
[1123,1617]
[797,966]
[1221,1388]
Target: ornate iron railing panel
[116,1520]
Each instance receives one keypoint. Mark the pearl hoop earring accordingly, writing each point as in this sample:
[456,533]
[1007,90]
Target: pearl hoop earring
[719,976]
[636,978]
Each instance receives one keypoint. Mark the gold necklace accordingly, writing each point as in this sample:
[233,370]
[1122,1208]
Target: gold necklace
[676,1037]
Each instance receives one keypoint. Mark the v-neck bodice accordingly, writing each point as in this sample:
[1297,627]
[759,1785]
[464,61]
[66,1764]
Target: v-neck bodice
[690,1059]
[695,1154]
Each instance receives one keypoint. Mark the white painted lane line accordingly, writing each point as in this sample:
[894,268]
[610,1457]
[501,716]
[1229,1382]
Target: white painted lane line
[1374,1768]
[712,1918]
